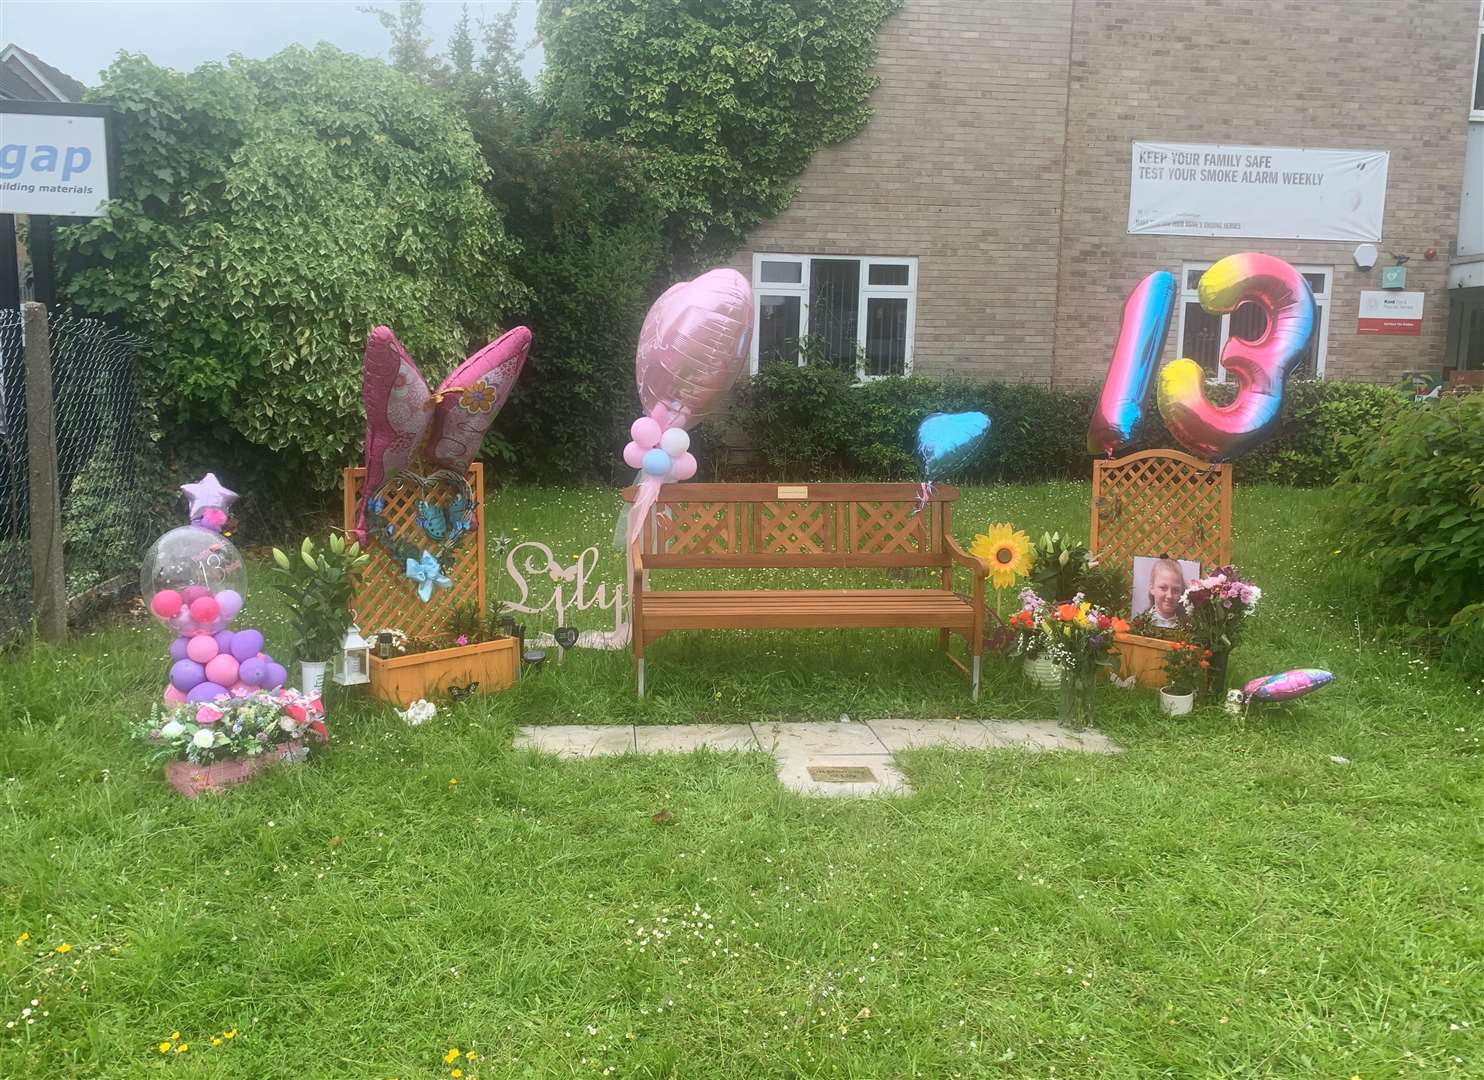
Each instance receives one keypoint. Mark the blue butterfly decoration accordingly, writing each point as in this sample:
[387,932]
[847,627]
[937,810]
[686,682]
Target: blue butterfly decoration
[445,526]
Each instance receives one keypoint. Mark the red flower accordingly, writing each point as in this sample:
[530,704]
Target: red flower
[320,732]
[1205,663]
[1067,613]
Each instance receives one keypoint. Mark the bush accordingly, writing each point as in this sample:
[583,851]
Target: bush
[810,423]
[269,213]
[1415,512]
[727,99]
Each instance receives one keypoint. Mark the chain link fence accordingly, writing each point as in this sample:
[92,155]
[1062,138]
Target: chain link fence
[107,470]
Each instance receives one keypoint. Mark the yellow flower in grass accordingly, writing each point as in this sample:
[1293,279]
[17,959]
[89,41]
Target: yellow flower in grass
[1008,552]
[452,1056]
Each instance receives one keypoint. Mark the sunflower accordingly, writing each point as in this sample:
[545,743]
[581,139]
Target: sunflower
[1008,552]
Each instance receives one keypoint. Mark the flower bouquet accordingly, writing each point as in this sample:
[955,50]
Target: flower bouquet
[213,745]
[1076,637]
[1215,609]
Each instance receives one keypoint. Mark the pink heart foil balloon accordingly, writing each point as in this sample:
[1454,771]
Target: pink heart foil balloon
[693,345]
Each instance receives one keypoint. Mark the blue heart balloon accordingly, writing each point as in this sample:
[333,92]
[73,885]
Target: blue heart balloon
[948,442]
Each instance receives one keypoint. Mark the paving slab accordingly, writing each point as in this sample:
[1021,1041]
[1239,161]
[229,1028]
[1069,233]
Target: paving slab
[841,775]
[1049,735]
[822,737]
[914,734]
[685,738]
[577,740]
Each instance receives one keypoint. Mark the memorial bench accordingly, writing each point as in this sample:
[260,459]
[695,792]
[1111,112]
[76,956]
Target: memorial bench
[815,526]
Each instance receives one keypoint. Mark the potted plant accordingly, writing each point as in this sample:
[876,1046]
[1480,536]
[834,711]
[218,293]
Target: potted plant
[1215,608]
[319,585]
[1186,664]
[469,654]
[1058,566]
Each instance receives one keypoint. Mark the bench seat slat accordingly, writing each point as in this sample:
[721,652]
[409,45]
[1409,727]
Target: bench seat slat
[825,609]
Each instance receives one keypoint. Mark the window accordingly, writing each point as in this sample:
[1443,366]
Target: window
[1477,108]
[1203,335]
[851,311]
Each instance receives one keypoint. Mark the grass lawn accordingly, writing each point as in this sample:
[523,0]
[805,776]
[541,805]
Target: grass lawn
[1219,900]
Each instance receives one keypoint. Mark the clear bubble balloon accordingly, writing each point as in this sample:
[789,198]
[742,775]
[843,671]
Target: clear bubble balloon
[184,567]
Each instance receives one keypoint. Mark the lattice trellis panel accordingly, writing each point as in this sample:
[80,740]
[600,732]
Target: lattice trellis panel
[885,527]
[781,528]
[1162,503]
[697,528]
[385,597]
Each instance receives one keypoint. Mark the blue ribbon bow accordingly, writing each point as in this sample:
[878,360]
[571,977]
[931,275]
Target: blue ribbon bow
[427,573]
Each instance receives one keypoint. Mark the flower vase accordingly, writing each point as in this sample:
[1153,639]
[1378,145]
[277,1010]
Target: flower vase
[312,677]
[1074,709]
[1042,672]
[1215,689]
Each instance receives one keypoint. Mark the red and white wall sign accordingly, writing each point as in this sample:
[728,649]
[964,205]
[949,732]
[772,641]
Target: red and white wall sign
[1390,312]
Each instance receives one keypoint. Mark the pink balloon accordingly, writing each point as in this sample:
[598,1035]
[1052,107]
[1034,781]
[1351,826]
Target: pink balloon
[693,345]
[661,414]
[684,467]
[166,603]
[194,592]
[633,455]
[174,696]
[646,433]
[203,649]
[222,669]
[205,610]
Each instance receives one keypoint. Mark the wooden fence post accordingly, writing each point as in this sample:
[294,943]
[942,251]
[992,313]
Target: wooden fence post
[48,578]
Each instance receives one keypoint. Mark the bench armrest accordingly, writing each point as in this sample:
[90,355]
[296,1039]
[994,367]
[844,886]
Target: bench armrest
[979,566]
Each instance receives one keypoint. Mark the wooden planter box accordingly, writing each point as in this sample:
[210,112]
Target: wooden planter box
[1144,658]
[191,779]
[403,679]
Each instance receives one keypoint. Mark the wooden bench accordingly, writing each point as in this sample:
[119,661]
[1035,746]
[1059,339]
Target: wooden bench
[815,526]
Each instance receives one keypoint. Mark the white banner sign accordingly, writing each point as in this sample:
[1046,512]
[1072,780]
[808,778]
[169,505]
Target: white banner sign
[1257,192]
[53,164]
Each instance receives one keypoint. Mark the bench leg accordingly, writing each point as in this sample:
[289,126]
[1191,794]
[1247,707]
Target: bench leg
[641,676]
[975,678]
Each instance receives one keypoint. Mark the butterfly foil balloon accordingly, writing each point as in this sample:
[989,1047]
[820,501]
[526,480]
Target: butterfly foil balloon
[405,421]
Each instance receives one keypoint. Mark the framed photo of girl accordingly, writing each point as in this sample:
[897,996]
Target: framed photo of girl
[1159,583]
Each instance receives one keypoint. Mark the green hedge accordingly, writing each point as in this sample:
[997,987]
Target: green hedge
[810,423]
[1415,520]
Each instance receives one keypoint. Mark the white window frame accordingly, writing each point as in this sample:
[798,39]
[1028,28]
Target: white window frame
[1476,114]
[1321,302]
[802,290]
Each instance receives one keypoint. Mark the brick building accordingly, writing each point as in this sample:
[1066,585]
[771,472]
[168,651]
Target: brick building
[980,225]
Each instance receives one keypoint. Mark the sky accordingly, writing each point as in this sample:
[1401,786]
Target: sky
[81,37]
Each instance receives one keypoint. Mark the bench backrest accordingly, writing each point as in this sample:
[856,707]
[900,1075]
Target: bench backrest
[795,525]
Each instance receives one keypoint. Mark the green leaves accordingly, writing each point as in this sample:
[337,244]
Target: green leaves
[268,214]
[319,587]
[727,100]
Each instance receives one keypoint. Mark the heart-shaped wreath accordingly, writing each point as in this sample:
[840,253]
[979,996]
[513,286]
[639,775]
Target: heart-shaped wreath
[442,524]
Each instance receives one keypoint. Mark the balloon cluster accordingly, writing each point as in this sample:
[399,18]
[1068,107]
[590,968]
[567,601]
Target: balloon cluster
[208,666]
[194,582]
[659,449]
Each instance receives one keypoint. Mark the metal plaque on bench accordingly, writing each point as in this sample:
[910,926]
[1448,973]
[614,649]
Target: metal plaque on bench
[798,491]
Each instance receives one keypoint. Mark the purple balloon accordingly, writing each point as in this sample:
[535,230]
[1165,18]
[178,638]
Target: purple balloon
[253,671]
[185,675]
[178,648]
[206,691]
[277,675]
[223,640]
[246,644]
[230,602]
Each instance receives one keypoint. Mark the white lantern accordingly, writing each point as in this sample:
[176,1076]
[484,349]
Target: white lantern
[353,665]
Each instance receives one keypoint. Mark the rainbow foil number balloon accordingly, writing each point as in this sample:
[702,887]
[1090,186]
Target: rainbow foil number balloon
[1260,367]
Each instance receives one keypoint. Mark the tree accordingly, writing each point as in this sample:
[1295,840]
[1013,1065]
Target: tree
[727,99]
[409,49]
[268,214]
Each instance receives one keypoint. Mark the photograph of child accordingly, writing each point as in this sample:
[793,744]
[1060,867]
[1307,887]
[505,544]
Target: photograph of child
[1158,586]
